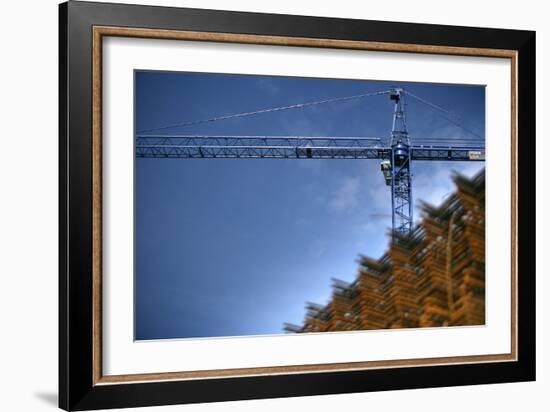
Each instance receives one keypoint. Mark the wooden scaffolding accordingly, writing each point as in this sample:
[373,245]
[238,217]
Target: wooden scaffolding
[433,277]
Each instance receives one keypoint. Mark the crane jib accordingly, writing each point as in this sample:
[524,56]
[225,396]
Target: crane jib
[152,150]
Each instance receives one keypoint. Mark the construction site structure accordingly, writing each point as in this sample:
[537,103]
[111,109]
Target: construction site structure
[432,276]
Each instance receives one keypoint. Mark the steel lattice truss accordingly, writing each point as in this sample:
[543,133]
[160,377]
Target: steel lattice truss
[292,147]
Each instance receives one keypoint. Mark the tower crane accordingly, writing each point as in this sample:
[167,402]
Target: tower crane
[396,155]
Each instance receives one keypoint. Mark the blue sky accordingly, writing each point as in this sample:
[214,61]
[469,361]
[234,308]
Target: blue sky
[228,247]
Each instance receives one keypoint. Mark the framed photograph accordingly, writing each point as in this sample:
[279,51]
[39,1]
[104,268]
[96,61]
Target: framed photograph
[256,206]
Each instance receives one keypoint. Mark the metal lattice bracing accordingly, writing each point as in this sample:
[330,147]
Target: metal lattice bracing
[291,147]
[295,147]
[401,196]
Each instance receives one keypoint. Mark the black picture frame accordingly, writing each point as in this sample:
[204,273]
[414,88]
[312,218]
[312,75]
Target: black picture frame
[77,390]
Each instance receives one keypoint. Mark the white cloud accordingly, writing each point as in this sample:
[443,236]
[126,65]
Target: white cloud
[267,85]
[346,197]
[317,248]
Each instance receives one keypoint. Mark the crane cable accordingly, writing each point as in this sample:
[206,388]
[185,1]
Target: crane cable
[268,110]
[448,114]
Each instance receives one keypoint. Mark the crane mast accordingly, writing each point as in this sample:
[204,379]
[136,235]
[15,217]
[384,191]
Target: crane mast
[400,167]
